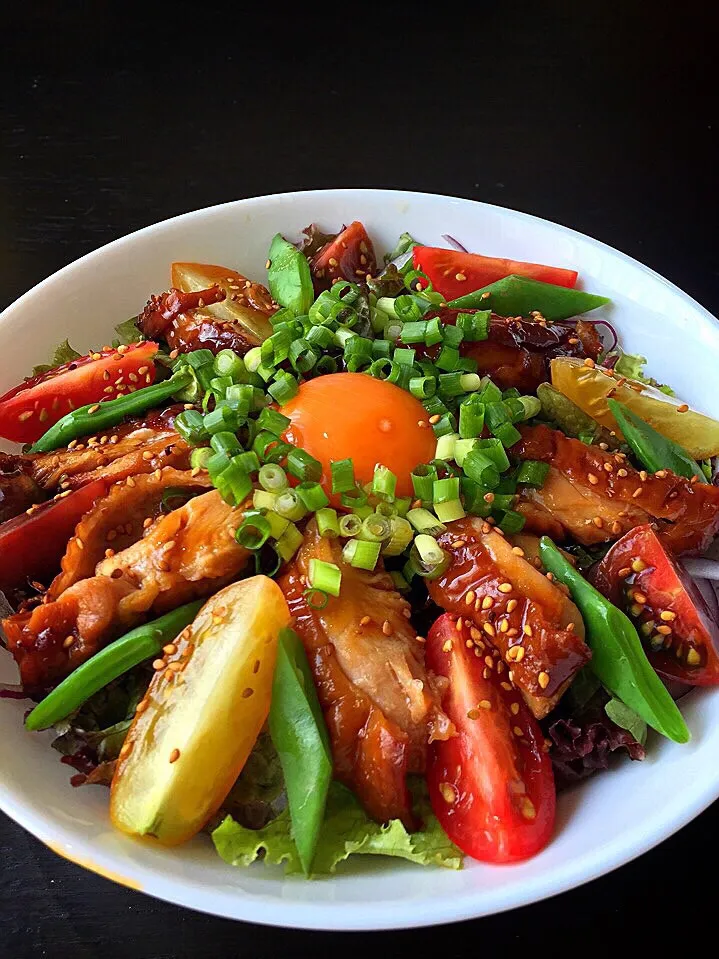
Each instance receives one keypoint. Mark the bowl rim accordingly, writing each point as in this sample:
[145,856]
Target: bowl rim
[356,915]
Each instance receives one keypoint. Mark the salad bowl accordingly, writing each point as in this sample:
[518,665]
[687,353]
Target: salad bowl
[601,823]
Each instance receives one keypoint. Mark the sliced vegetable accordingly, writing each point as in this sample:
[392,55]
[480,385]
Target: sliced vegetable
[288,276]
[617,655]
[97,417]
[679,632]
[589,388]
[518,296]
[245,307]
[454,274]
[349,256]
[299,734]
[571,419]
[33,543]
[31,408]
[205,707]
[491,785]
[653,450]
[112,661]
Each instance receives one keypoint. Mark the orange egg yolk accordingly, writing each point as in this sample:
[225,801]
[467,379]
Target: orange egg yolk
[355,416]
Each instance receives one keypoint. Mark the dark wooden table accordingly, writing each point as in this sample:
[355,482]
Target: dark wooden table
[599,116]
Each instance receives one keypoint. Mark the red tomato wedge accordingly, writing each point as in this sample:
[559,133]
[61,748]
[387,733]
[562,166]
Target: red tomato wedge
[675,624]
[31,408]
[370,421]
[350,256]
[32,545]
[453,274]
[491,785]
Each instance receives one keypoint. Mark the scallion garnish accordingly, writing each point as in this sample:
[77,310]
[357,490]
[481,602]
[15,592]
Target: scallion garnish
[343,476]
[327,523]
[362,554]
[312,496]
[325,576]
[532,472]
[253,532]
[384,483]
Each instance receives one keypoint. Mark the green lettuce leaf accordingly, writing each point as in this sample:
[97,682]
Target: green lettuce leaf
[632,366]
[627,719]
[63,354]
[346,831]
[127,332]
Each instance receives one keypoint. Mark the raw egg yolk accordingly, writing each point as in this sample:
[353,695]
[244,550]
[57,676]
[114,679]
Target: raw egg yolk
[355,416]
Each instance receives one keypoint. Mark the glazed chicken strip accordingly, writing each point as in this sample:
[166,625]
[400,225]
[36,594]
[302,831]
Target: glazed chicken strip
[597,496]
[523,623]
[381,706]
[184,555]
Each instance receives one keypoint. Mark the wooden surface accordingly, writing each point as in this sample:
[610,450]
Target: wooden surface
[599,116]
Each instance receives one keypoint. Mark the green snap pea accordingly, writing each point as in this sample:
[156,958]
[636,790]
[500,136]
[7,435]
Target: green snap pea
[617,655]
[82,422]
[519,296]
[300,737]
[112,661]
[655,451]
[289,277]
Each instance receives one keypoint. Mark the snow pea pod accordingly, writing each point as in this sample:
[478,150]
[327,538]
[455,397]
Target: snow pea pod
[112,661]
[519,296]
[91,419]
[289,277]
[299,734]
[653,449]
[617,655]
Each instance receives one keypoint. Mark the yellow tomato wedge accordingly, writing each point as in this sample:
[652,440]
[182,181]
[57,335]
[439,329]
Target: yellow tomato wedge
[245,307]
[201,715]
[588,388]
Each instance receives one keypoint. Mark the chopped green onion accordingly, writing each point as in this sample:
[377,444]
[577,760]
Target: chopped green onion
[363,510]
[425,522]
[233,483]
[400,583]
[358,363]
[479,467]
[435,406]
[221,419]
[326,364]
[467,364]
[422,387]
[384,483]
[354,500]
[507,434]
[199,457]
[532,407]
[462,447]
[312,496]
[253,532]
[414,331]
[403,356]
[427,557]
[450,384]
[191,427]
[361,345]
[248,461]
[451,335]
[325,576]
[423,479]
[446,446]
[290,541]
[532,472]
[470,382]
[343,335]
[402,505]
[510,521]
[228,363]
[446,424]
[473,495]
[375,528]
[327,523]
[433,333]
[198,358]
[449,510]
[263,499]
[283,388]
[253,358]
[263,443]
[471,417]
[445,490]
[272,478]
[494,449]
[362,554]
[303,466]
[401,536]
[316,598]
[381,369]
[273,421]
[240,397]
[474,326]
[278,524]
[225,442]
[343,476]
[350,524]
[488,392]
[317,336]
[290,505]
[381,348]
[447,359]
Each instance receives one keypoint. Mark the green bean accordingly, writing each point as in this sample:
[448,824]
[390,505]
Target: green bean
[95,417]
[519,296]
[617,655]
[654,450]
[112,661]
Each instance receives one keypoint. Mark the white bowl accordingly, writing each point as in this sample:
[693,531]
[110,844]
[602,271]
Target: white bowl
[602,824]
